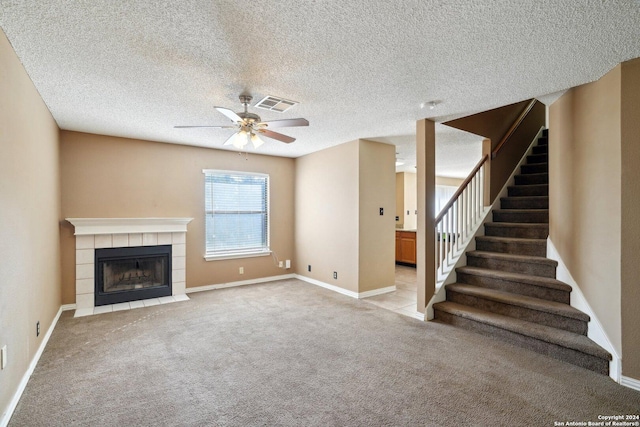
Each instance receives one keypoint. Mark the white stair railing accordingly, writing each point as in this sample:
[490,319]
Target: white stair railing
[458,219]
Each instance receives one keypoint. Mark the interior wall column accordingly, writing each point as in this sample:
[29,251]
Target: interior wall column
[426,177]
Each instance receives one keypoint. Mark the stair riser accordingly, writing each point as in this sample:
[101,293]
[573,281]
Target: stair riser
[521,232]
[540,317]
[519,190]
[530,179]
[540,149]
[534,168]
[574,357]
[537,158]
[526,217]
[548,294]
[534,269]
[516,248]
[524,203]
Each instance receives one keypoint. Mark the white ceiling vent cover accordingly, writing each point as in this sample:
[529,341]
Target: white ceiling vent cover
[275,103]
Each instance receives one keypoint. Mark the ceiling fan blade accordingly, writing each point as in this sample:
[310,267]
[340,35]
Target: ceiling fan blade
[285,123]
[276,135]
[213,127]
[229,140]
[230,114]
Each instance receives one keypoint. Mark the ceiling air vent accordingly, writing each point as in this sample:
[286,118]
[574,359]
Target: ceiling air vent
[274,103]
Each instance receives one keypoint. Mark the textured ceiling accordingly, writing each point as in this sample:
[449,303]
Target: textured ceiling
[359,68]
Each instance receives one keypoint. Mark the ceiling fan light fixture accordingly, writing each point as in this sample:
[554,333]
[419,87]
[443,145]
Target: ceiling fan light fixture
[248,125]
[240,139]
[256,141]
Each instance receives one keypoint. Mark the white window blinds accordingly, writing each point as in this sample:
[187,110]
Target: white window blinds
[236,213]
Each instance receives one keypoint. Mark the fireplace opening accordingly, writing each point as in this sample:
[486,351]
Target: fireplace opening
[133,273]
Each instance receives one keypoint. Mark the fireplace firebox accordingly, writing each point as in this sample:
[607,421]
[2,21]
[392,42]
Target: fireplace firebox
[132,273]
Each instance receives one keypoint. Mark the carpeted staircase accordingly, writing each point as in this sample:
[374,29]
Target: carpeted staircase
[508,288]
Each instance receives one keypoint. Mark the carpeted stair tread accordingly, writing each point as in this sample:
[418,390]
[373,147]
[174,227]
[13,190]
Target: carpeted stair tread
[544,282]
[532,178]
[519,224]
[528,190]
[524,264]
[524,202]
[540,149]
[514,258]
[526,216]
[530,230]
[547,334]
[511,239]
[526,197]
[537,158]
[534,168]
[515,245]
[532,303]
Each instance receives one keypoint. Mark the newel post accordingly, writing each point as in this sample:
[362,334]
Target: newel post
[486,151]
[426,242]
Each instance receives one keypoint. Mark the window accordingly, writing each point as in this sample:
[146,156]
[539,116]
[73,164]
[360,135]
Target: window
[443,195]
[236,214]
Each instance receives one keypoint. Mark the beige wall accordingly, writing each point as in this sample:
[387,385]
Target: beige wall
[584,193]
[406,200]
[451,182]
[494,125]
[326,205]
[399,199]
[630,218]
[111,177]
[376,232]
[29,206]
[338,227]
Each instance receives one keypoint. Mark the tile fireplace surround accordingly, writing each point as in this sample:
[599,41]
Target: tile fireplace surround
[96,233]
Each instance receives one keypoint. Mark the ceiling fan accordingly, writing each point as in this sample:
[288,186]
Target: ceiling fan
[249,126]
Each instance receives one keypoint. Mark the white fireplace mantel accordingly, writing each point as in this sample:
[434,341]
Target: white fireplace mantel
[97,233]
[97,226]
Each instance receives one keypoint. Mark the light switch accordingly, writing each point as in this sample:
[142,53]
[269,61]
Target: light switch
[3,357]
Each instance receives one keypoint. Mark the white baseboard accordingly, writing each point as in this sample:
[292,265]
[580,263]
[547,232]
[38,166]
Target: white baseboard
[630,382]
[68,307]
[239,283]
[375,292]
[4,421]
[333,288]
[420,316]
[596,331]
[352,294]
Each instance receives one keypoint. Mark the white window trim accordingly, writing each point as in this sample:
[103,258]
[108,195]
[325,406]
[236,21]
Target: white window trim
[247,253]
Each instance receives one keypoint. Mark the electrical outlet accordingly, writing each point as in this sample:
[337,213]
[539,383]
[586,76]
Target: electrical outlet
[38,328]
[381,211]
[309,267]
[241,270]
[335,275]
[3,356]
[287,263]
[281,264]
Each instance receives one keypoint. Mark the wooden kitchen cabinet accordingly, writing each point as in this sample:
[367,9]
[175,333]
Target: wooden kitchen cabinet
[406,247]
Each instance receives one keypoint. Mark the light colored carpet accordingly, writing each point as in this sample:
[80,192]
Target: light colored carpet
[291,354]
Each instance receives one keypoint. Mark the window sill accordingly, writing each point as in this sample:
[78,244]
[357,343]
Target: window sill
[236,255]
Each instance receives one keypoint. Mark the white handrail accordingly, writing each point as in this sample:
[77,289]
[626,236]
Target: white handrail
[456,222]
